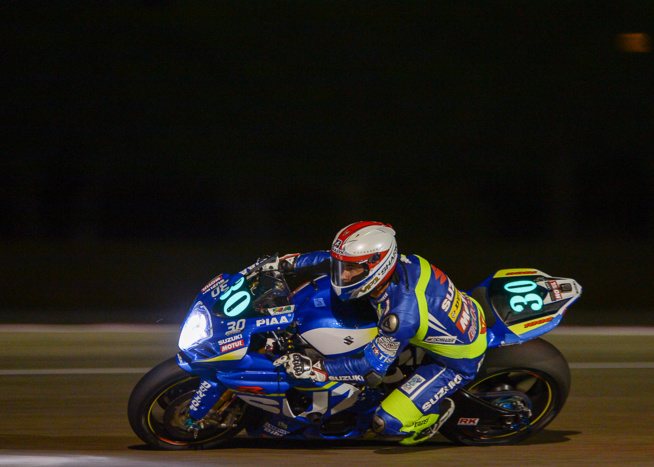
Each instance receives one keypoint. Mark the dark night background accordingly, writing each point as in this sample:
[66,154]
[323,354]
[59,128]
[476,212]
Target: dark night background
[149,145]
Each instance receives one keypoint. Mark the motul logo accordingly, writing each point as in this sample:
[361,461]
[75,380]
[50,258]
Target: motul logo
[231,346]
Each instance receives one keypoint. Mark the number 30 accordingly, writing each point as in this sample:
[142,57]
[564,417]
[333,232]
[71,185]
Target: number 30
[238,302]
[518,302]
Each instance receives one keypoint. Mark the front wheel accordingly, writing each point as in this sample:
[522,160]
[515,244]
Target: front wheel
[533,378]
[158,411]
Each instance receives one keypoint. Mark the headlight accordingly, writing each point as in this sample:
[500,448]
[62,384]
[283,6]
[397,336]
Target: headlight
[197,327]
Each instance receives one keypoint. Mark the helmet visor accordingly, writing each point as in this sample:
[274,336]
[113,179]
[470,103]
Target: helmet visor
[345,273]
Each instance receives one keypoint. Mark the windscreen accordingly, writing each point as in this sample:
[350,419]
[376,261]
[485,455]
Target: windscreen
[248,298]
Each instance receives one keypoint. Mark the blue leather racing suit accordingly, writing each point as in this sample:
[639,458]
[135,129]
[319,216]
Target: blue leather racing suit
[420,306]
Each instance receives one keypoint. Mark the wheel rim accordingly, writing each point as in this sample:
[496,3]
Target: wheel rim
[521,388]
[169,411]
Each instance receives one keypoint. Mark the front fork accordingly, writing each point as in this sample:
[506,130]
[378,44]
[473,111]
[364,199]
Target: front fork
[210,399]
[199,420]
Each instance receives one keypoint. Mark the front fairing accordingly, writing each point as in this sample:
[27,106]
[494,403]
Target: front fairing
[233,322]
[231,358]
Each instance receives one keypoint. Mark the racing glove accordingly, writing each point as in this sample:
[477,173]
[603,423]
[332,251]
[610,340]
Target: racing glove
[301,367]
[284,264]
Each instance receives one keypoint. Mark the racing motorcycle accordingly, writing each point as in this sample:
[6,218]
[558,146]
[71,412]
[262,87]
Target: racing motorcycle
[223,380]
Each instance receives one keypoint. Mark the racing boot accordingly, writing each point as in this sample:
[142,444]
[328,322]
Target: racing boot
[434,422]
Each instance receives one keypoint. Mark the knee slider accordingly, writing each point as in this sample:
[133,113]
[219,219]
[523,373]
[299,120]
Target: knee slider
[378,424]
[383,427]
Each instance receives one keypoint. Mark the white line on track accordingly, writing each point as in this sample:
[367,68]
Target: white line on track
[611,365]
[125,371]
[73,371]
[63,460]
[168,328]
[126,328]
[90,328]
[603,331]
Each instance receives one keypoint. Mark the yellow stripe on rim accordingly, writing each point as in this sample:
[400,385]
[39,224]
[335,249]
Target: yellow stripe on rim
[531,422]
[155,401]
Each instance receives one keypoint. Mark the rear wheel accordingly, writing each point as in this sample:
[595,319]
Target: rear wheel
[532,378]
[158,411]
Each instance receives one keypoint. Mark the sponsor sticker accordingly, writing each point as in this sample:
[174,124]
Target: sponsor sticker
[468,421]
[281,319]
[369,286]
[441,339]
[281,309]
[217,283]
[319,302]
[274,430]
[250,389]
[412,383]
[388,263]
[464,320]
[447,301]
[473,332]
[230,339]
[388,344]
[199,395]
[442,392]
[381,356]
[358,378]
[456,307]
[522,327]
[420,423]
[555,292]
[537,322]
[231,346]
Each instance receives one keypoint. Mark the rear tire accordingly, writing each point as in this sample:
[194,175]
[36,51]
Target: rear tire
[158,408]
[537,371]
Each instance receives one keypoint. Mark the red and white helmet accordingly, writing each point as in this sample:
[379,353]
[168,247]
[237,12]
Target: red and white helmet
[368,248]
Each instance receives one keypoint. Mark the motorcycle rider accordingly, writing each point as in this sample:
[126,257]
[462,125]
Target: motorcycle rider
[417,304]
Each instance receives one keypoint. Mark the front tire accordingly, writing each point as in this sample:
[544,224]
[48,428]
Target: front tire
[158,409]
[534,374]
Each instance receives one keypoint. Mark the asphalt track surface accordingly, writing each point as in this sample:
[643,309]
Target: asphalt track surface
[64,391]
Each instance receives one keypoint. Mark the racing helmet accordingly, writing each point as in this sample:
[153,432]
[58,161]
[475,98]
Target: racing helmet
[363,257]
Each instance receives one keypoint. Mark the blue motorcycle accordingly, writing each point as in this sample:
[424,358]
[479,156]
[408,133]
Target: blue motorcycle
[223,380]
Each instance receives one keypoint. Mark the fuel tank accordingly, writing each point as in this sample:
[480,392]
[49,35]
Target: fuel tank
[333,327]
